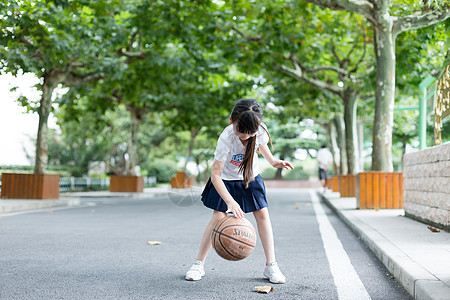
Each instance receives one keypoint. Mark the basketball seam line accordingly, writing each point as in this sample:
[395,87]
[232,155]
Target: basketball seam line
[236,226]
[220,233]
[224,219]
[223,247]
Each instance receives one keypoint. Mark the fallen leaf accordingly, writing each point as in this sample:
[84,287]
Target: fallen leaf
[264,289]
[391,277]
[297,207]
[433,229]
[50,211]
[154,243]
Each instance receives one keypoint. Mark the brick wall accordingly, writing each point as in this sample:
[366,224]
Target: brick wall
[426,185]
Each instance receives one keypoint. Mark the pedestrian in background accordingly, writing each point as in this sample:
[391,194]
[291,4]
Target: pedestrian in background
[235,185]
[324,158]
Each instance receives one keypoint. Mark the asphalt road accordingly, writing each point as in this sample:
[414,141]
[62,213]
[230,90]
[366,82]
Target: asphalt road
[100,251]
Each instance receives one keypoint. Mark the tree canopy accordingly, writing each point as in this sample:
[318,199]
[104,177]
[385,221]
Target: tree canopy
[142,71]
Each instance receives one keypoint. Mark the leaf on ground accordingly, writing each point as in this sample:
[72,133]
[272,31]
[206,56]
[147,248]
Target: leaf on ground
[50,211]
[297,207]
[154,243]
[433,229]
[264,289]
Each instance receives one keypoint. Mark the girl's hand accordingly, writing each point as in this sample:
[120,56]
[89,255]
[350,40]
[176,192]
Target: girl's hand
[234,208]
[282,164]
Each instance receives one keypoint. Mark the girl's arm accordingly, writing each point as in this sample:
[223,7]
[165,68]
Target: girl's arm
[276,163]
[216,180]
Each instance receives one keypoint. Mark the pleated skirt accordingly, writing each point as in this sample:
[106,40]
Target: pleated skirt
[250,199]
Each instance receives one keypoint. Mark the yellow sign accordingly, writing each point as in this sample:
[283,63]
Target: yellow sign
[442,109]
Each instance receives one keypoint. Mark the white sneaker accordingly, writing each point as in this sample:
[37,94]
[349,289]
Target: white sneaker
[196,271]
[273,273]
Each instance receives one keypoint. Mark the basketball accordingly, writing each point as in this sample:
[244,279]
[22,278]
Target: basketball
[233,238]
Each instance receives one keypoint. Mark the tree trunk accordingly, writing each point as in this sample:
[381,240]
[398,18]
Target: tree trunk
[51,80]
[198,162]
[339,122]
[361,145]
[136,121]
[194,133]
[400,166]
[207,173]
[384,96]
[332,142]
[351,137]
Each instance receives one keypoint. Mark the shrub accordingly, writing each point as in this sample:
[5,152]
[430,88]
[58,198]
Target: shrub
[163,170]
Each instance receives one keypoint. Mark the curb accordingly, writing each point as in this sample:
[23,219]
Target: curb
[115,195]
[18,205]
[8,206]
[416,280]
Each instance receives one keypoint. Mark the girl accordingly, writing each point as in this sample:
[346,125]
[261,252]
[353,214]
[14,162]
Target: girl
[235,185]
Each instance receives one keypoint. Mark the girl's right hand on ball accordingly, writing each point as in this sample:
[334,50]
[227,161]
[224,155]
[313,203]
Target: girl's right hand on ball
[235,209]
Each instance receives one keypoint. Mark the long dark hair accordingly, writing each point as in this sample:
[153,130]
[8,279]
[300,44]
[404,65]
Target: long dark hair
[247,116]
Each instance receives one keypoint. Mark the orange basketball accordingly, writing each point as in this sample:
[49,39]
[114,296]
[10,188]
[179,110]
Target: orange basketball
[233,238]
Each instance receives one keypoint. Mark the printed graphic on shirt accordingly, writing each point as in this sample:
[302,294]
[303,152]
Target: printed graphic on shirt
[237,159]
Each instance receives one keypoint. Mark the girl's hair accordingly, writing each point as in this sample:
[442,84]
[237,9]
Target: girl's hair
[247,116]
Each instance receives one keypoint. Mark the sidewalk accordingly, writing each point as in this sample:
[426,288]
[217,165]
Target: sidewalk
[417,257]
[73,199]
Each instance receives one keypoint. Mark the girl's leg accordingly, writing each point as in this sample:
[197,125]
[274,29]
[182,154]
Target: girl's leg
[265,233]
[205,244]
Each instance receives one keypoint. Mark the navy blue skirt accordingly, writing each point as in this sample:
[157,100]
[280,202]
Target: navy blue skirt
[250,199]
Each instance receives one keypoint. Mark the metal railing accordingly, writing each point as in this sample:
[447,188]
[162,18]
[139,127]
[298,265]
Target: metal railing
[67,184]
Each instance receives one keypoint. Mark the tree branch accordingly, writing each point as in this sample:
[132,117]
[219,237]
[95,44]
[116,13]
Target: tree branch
[299,75]
[362,56]
[333,50]
[132,55]
[419,20]
[73,79]
[300,68]
[361,7]
[247,37]
[327,68]
[37,53]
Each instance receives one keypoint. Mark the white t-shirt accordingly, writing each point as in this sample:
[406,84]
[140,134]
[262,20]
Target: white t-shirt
[324,157]
[231,151]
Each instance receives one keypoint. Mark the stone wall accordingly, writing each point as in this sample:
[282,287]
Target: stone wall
[426,187]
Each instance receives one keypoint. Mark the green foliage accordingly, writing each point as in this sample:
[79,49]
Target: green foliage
[183,64]
[64,171]
[163,170]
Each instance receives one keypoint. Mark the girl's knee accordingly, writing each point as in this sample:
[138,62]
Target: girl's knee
[217,215]
[262,214]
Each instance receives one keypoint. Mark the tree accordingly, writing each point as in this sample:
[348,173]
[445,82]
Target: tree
[316,48]
[388,20]
[293,100]
[58,41]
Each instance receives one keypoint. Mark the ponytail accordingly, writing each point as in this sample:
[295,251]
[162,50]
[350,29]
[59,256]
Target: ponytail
[246,166]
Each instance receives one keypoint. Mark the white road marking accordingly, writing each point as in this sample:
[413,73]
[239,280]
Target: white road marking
[347,281]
